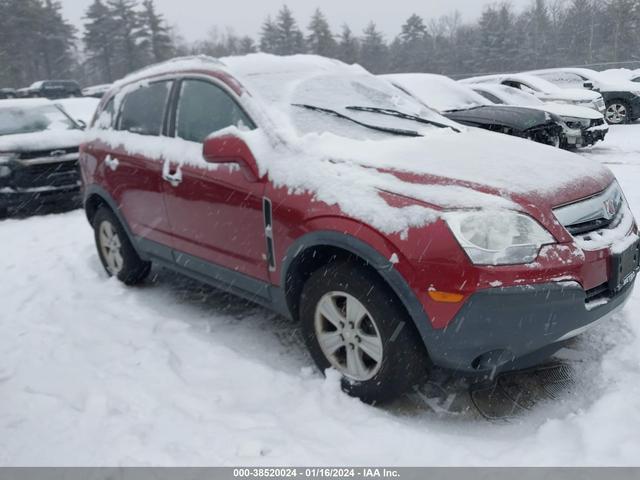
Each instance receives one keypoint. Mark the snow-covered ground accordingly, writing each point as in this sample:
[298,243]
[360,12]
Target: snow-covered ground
[177,373]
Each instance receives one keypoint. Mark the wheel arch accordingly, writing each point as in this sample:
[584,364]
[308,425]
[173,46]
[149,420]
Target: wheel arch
[96,197]
[316,249]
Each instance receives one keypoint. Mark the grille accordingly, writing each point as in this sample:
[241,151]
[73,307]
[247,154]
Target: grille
[594,214]
[56,174]
[47,153]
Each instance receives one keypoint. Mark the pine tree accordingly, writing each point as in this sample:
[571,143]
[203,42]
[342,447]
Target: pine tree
[348,46]
[99,42]
[56,38]
[374,52]
[409,52]
[157,33]
[128,36]
[36,43]
[289,37]
[269,36]
[320,40]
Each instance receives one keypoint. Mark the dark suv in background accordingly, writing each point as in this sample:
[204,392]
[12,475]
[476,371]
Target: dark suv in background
[54,89]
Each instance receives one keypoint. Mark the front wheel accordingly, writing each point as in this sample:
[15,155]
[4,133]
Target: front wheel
[353,323]
[116,252]
[617,112]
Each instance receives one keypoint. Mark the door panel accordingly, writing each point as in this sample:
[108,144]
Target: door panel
[216,215]
[134,180]
[215,211]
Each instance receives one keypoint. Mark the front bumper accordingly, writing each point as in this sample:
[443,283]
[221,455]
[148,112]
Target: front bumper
[503,329]
[26,198]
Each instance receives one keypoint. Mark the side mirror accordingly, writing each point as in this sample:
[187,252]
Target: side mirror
[226,149]
[82,124]
[588,85]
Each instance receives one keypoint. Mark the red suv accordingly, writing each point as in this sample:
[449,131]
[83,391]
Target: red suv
[397,237]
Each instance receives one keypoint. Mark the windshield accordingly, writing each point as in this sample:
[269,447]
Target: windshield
[439,92]
[31,119]
[364,98]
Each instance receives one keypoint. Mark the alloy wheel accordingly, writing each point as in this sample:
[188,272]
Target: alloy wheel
[348,336]
[616,113]
[111,247]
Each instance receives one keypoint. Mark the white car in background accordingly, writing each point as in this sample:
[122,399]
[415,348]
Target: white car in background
[544,90]
[585,126]
[622,97]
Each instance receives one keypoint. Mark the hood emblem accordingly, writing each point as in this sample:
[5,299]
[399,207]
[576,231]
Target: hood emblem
[610,208]
[57,153]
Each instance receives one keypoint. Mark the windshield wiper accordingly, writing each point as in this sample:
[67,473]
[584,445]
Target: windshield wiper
[395,131]
[398,114]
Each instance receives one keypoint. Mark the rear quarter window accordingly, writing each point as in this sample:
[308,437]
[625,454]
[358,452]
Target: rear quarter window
[143,109]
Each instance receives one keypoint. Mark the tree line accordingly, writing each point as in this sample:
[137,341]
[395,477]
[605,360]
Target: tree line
[119,36]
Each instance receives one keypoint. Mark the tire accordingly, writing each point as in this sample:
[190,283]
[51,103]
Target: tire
[377,320]
[115,250]
[618,112]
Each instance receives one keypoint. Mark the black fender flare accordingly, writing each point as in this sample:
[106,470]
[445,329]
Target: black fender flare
[366,252]
[95,190]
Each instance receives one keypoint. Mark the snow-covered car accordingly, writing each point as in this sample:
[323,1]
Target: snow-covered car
[80,109]
[583,126]
[7,93]
[544,90]
[399,239]
[622,98]
[39,146]
[96,91]
[461,104]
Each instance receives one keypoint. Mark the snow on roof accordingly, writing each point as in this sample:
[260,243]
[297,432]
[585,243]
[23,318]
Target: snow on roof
[196,62]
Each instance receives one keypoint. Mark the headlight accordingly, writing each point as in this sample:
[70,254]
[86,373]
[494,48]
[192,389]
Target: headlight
[499,237]
[574,122]
[5,168]
[6,157]
[637,94]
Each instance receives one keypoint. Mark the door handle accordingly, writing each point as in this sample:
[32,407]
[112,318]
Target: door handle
[174,179]
[111,162]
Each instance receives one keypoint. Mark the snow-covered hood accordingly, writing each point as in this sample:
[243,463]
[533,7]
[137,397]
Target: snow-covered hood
[486,162]
[45,140]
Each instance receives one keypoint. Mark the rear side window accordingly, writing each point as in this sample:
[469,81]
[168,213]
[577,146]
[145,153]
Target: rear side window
[143,109]
[205,108]
[490,97]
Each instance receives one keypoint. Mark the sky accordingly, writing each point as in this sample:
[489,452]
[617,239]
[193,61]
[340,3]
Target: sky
[194,18]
